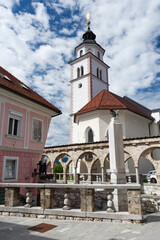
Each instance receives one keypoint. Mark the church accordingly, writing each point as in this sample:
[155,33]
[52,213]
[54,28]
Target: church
[92,103]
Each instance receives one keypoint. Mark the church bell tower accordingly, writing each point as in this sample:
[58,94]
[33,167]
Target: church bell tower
[89,76]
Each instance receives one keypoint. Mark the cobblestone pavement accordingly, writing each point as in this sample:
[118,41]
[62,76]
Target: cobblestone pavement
[16,228]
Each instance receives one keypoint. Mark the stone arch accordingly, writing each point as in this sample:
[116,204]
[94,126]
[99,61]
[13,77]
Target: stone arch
[96,170]
[49,163]
[105,158]
[60,157]
[147,153]
[126,156]
[145,156]
[87,159]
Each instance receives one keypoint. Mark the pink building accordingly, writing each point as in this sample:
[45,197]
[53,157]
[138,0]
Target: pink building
[24,122]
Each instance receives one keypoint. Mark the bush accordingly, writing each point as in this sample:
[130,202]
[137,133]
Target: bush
[58,169]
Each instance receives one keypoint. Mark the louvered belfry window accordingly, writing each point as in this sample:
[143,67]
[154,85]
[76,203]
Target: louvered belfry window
[37,130]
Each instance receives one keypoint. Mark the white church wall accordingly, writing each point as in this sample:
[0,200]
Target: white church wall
[77,65]
[74,132]
[80,95]
[104,120]
[135,125]
[90,48]
[90,119]
[97,86]
[155,129]
[78,54]
[95,65]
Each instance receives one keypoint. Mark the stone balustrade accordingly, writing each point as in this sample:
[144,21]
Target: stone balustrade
[87,201]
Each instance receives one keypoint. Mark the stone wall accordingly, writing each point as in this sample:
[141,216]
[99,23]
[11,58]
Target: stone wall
[100,199]
[151,189]
[74,198]
[150,204]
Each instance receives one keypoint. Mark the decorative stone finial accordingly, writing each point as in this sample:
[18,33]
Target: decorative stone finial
[88,22]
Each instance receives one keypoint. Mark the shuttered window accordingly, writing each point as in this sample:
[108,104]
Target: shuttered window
[10,168]
[37,130]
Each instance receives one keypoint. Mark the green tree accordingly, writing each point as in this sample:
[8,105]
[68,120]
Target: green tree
[58,168]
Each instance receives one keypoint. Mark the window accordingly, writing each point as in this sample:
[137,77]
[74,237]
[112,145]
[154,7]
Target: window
[90,136]
[37,130]
[98,72]
[78,72]
[10,168]
[98,53]
[81,53]
[14,123]
[82,71]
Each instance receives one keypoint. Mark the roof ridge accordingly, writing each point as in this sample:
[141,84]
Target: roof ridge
[117,98]
[18,88]
[102,92]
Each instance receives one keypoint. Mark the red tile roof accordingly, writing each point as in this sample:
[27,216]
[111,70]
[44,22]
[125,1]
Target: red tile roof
[108,100]
[11,83]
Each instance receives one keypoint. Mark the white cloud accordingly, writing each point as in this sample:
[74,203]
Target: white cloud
[126,29]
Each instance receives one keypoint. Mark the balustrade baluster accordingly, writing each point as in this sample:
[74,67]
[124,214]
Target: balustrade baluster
[110,207]
[66,201]
[28,197]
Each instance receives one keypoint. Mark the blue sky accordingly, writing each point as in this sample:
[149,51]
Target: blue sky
[38,38]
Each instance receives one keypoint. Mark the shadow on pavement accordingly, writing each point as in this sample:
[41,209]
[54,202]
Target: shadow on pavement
[155,217]
[20,232]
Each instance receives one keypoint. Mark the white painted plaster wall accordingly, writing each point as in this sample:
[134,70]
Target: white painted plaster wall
[83,63]
[75,133]
[91,120]
[97,86]
[90,48]
[95,65]
[135,125]
[80,95]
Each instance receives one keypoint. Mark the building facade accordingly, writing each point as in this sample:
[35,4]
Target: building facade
[24,122]
[92,102]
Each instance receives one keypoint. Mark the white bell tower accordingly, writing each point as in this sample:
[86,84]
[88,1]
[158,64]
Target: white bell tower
[89,76]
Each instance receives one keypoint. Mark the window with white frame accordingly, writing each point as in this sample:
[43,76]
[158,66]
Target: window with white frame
[10,169]
[14,123]
[37,125]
